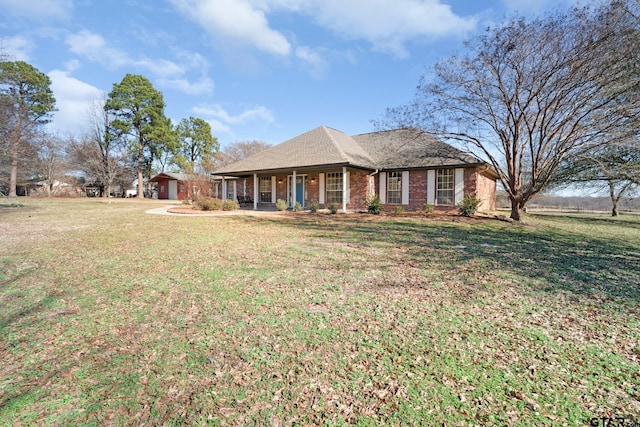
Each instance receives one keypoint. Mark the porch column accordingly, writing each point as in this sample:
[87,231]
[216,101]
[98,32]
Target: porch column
[224,189]
[255,191]
[344,190]
[293,189]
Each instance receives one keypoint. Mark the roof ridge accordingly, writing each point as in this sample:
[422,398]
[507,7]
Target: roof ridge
[335,143]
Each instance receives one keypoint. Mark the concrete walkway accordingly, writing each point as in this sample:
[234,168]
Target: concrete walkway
[248,212]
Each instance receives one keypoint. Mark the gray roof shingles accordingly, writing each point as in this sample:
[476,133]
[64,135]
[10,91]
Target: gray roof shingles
[395,149]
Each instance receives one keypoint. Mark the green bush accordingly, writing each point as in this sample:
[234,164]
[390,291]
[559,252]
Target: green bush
[186,201]
[469,205]
[428,208]
[398,210]
[314,206]
[297,207]
[209,204]
[230,205]
[333,208]
[281,205]
[373,204]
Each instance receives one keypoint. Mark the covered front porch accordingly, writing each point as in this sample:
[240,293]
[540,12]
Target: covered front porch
[327,186]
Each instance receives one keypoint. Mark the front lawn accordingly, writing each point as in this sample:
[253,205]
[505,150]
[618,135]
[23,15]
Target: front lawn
[110,315]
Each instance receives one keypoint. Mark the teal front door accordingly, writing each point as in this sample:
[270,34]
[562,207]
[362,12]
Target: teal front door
[300,190]
[299,187]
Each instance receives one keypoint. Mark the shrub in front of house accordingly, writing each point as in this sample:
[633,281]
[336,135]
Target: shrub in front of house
[209,204]
[399,210]
[297,207]
[469,205]
[281,205]
[230,205]
[333,208]
[314,206]
[427,208]
[372,202]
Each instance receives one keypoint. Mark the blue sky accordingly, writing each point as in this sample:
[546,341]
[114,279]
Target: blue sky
[254,69]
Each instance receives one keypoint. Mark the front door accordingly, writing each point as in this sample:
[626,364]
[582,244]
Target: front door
[300,189]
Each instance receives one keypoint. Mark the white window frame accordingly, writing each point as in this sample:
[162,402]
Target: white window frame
[265,189]
[394,188]
[333,187]
[445,187]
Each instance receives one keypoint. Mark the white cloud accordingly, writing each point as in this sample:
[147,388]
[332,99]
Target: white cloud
[16,48]
[202,86]
[93,47]
[386,24]
[316,63]
[37,10]
[168,73]
[389,24]
[73,98]
[238,21]
[255,114]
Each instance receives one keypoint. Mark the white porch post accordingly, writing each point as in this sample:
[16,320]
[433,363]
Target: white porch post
[255,191]
[293,189]
[224,189]
[344,189]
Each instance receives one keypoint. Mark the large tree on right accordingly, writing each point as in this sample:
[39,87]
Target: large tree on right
[530,93]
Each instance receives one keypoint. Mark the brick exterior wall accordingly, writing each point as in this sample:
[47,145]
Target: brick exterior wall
[486,192]
[476,184]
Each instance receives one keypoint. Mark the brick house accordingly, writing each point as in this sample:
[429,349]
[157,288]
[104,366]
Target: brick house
[405,167]
[180,186]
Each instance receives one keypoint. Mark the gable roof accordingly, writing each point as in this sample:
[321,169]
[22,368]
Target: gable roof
[171,176]
[324,146]
[318,147]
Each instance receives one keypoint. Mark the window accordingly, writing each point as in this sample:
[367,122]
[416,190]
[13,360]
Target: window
[334,187]
[265,189]
[231,190]
[445,187]
[394,188]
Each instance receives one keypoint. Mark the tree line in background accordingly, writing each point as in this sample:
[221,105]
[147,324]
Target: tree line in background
[548,102]
[129,138]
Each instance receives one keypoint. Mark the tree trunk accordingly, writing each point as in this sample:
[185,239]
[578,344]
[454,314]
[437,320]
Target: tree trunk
[614,210]
[140,194]
[13,178]
[517,210]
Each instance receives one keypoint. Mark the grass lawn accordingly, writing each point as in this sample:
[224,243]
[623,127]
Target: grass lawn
[110,315]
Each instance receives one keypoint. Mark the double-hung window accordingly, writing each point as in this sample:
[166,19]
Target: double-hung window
[334,187]
[394,188]
[265,189]
[445,190]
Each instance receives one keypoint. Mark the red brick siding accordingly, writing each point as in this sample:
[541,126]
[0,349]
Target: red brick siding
[486,192]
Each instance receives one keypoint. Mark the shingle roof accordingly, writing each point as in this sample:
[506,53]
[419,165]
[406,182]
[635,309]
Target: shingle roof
[411,148]
[395,149]
[318,147]
[176,176]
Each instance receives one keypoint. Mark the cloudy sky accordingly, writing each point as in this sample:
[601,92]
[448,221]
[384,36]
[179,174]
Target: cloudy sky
[254,69]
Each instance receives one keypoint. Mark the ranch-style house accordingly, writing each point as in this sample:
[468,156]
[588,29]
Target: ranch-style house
[405,167]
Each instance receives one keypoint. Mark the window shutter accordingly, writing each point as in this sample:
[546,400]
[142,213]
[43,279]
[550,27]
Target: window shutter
[383,187]
[321,190]
[431,187]
[459,185]
[273,189]
[405,187]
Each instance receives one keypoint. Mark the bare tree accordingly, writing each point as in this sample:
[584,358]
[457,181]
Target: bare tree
[531,93]
[238,151]
[51,164]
